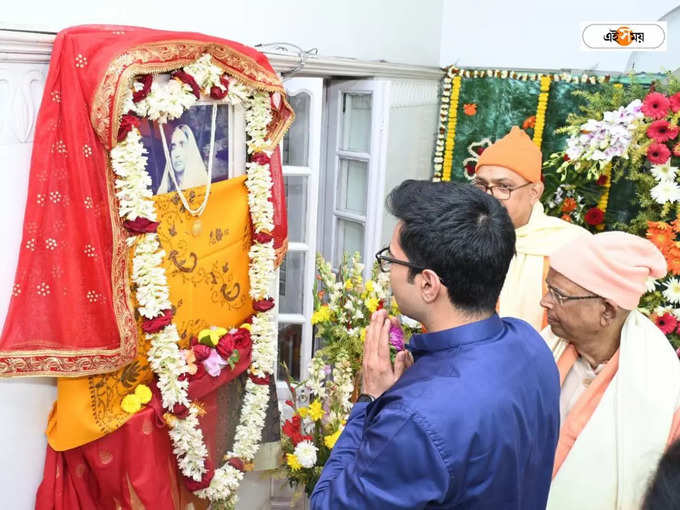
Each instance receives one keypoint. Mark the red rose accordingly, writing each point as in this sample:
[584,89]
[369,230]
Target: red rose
[290,403]
[602,180]
[241,339]
[127,122]
[141,225]
[183,377]
[201,352]
[674,100]
[594,216]
[217,93]
[260,158]
[236,463]
[185,77]
[225,347]
[470,168]
[157,323]
[655,105]
[262,381]
[180,410]
[661,131]
[479,150]
[565,157]
[145,80]
[658,153]
[262,305]
[193,485]
[263,237]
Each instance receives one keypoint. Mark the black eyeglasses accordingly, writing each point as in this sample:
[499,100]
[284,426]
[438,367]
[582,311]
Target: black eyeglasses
[501,192]
[385,263]
[560,298]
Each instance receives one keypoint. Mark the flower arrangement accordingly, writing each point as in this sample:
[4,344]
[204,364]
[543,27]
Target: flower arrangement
[309,435]
[631,134]
[215,349]
[343,306]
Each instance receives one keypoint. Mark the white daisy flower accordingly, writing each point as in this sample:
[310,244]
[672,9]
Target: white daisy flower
[672,292]
[650,284]
[665,191]
[665,172]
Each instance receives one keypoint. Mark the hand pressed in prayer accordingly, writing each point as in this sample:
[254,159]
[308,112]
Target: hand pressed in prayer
[378,373]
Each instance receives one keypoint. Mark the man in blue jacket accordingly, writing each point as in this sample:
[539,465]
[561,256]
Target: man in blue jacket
[474,422]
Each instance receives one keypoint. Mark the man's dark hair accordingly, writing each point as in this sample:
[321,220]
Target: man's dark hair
[664,491]
[459,232]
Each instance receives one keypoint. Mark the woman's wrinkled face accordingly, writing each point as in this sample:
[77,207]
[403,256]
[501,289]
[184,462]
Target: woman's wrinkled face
[178,150]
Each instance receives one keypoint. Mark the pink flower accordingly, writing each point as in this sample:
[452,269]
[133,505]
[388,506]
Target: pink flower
[667,323]
[658,153]
[662,131]
[201,351]
[675,102]
[396,337]
[655,105]
[214,363]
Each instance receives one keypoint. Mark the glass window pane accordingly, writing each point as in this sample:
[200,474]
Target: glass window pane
[290,341]
[356,122]
[291,281]
[352,186]
[295,148]
[296,203]
[350,239]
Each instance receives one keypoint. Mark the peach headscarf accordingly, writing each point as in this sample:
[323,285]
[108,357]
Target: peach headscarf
[614,265]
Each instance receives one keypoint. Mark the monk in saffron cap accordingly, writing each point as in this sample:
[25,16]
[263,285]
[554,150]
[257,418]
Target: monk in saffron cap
[619,375]
[510,170]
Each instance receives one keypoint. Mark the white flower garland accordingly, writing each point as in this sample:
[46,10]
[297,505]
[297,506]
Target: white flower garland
[167,101]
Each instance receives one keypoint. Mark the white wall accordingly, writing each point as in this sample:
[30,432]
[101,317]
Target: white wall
[395,30]
[541,35]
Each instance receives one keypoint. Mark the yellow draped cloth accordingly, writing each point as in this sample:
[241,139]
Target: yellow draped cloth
[525,282]
[206,264]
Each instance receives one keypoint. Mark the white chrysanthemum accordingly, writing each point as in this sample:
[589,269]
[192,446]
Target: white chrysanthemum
[305,451]
[665,172]
[672,292]
[665,191]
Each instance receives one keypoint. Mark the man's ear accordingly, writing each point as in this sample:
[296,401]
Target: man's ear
[430,285]
[609,313]
[536,192]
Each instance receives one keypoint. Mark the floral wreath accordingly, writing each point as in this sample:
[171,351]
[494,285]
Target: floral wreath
[475,150]
[216,347]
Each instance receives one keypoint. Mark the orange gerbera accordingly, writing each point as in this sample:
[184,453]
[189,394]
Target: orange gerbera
[470,109]
[676,225]
[661,235]
[673,258]
[568,205]
[529,122]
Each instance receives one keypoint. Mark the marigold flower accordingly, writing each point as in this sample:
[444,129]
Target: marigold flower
[470,109]
[143,393]
[131,403]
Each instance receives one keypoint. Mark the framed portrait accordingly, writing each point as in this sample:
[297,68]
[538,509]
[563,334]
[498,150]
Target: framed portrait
[188,147]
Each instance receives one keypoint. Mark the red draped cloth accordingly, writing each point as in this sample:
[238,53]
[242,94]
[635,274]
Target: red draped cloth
[70,313]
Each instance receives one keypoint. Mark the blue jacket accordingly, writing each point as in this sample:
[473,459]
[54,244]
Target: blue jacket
[472,424]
